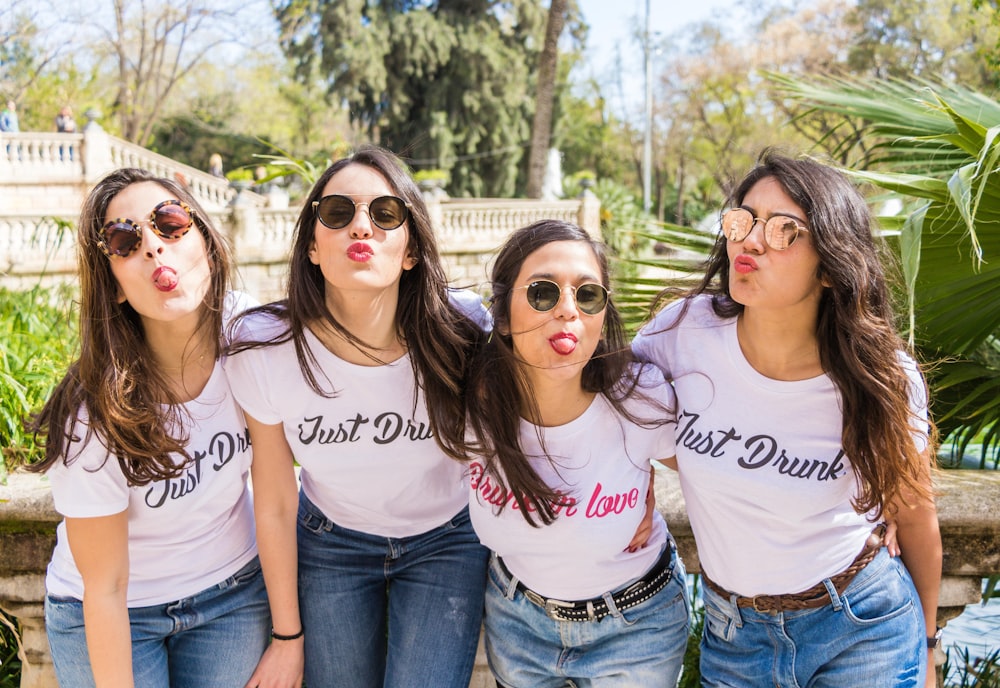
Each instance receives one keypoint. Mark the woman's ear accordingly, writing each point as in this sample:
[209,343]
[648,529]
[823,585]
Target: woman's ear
[313,254]
[410,261]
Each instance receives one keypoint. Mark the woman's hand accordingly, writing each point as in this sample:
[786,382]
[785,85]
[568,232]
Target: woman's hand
[645,528]
[281,666]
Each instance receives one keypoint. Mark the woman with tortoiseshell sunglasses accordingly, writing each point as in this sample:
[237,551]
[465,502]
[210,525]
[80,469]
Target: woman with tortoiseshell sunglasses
[154,581]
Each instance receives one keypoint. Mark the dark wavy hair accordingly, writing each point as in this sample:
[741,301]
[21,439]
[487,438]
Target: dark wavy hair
[499,390]
[437,335]
[127,399]
[859,346]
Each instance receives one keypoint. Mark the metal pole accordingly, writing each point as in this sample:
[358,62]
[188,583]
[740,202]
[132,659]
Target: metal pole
[647,139]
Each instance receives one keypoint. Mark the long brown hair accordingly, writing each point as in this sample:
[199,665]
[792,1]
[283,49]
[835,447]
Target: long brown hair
[498,387]
[859,346]
[437,335]
[128,402]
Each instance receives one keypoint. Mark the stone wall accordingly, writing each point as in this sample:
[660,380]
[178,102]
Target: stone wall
[970,529]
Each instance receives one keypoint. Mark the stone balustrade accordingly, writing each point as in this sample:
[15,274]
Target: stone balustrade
[44,178]
[970,530]
[38,247]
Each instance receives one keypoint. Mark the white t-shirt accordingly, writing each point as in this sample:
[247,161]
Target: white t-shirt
[185,534]
[601,463]
[369,460]
[766,482]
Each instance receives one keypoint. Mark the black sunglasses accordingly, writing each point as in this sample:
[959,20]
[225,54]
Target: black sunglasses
[386,212]
[543,295]
[170,220]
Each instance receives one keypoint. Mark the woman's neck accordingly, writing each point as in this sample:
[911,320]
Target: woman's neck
[370,320]
[781,346]
[184,355]
[558,401]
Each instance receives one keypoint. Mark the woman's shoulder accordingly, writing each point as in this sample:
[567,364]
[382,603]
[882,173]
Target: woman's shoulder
[688,311]
[258,324]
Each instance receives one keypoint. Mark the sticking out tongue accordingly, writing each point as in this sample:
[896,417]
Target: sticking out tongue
[563,345]
[165,279]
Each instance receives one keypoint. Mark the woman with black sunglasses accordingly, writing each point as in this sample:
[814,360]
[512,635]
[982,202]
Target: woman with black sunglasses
[374,573]
[155,579]
[562,429]
[801,424]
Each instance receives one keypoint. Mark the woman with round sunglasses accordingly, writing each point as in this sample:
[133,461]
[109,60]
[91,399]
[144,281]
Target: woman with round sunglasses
[801,425]
[154,581]
[373,569]
[562,429]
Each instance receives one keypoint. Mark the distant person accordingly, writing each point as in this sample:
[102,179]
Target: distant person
[260,183]
[215,165]
[8,118]
[65,124]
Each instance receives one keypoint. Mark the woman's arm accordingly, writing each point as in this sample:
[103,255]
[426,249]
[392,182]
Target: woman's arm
[100,550]
[920,546]
[275,497]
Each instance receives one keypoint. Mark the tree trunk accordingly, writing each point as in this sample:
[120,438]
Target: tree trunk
[541,127]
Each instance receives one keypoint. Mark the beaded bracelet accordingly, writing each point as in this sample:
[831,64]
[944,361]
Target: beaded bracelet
[278,636]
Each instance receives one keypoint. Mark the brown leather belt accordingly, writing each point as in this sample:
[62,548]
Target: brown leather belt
[816,596]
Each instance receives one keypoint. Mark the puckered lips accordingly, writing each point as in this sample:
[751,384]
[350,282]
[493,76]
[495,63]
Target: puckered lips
[360,252]
[744,264]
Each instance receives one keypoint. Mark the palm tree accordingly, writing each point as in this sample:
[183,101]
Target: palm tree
[935,147]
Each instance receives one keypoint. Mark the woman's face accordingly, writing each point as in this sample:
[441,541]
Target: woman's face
[763,277]
[164,279]
[361,259]
[559,342]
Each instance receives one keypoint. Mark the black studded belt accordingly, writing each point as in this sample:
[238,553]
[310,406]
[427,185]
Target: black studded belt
[597,608]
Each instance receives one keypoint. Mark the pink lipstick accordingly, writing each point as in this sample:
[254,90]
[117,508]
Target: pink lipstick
[744,264]
[360,252]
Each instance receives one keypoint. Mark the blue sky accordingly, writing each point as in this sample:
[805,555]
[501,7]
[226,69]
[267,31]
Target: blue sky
[611,32]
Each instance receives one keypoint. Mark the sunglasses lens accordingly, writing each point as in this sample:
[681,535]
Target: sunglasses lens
[388,212]
[736,224]
[120,239]
[780,232]
[591,298]
[171,220]
[543,296]
[335,211]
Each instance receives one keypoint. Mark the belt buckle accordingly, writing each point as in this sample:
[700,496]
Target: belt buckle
[763,610]
[552,608]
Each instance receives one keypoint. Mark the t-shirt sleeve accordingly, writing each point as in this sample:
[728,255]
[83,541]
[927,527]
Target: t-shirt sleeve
[918,401]
[654,340]
[248,373]
[92,484]
[661,393]
[471,305]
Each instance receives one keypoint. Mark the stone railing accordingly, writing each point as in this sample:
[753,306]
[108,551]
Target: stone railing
[970,530]
[41,248]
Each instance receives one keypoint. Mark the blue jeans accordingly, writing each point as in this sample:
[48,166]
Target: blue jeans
[394,612]
[872,635]
[642,647]
[214,638]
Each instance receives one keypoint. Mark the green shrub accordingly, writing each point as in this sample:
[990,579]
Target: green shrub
[39,333]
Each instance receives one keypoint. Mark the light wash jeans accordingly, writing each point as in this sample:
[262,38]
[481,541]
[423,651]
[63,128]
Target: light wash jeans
[214,638]
[393,612]
[872,636]
[642,647]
